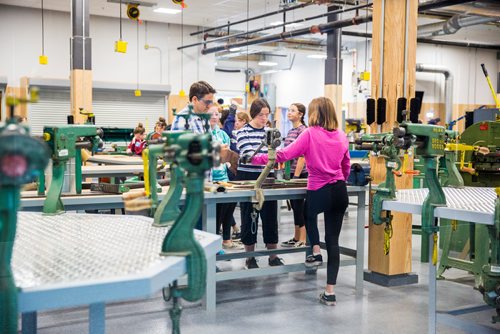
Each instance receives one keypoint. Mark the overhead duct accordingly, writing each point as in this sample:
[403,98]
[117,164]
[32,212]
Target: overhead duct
[453,25]
[448,86]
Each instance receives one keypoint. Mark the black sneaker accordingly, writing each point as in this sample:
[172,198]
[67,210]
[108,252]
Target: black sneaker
[329,300]
[314,260]
[251,263]
[277,261]
[236,236]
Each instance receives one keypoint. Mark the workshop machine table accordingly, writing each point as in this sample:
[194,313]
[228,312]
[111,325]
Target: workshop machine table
[76,259]
[472,204]
[94,202]
[108,159]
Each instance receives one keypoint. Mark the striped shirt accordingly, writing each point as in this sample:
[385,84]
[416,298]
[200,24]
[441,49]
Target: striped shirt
[290,138]
[248,139]
[195,123]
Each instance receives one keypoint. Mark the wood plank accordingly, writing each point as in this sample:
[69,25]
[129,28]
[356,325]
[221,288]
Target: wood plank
[80,94]
[176,102]
[334,93]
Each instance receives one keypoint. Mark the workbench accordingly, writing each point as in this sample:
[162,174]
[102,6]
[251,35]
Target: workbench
[118,159]
[472,204]
[73,259]
[99,202]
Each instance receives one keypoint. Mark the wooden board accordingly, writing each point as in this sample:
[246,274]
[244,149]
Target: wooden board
[176,102]
[334,93]
[80,94]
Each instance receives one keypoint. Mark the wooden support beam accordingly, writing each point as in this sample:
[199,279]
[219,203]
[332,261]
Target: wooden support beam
[394,26]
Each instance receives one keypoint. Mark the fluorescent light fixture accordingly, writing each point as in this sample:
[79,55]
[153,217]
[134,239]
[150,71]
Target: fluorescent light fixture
[316,56]
[430,114]
[234,49]
[269,72]
[167,10]
[267,63]
[289,25]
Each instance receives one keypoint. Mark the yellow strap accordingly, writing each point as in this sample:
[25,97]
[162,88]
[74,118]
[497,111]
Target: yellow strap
[387,238]
[435,250]
[454,225]
[145,164]
[405,162]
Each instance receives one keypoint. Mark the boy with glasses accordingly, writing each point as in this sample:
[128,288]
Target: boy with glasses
[201,97]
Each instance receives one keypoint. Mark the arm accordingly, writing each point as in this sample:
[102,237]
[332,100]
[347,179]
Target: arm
[346,165]
[292,151]
[229,124]
[300,166]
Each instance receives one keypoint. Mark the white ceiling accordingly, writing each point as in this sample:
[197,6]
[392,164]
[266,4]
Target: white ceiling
[197,13]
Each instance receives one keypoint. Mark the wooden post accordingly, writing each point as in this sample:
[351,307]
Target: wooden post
[394,25]
[81,61]
[176,102]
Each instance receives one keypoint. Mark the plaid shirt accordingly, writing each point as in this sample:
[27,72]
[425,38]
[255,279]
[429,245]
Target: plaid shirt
[195,123]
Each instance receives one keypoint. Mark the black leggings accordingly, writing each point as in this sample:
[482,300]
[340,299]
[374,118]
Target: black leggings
[331,199]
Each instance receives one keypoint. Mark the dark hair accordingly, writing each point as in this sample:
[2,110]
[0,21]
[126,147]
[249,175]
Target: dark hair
[302,109]
[139,129]
[161,122]
[223,116]
[257,106]
[200,89]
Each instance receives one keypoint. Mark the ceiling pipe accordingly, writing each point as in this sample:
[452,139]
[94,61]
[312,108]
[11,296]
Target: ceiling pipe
[284,10]
[439,4]
[452,25]
[246,33]
[324,28]
[448,86]
[433,41]
[321,28]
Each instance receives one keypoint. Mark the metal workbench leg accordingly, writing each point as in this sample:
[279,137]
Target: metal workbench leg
[432,290]
[209,225]
[360,242]
[97,318]
[28,323]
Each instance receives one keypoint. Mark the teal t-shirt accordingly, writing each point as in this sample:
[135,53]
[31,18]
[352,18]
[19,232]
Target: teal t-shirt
[220,173]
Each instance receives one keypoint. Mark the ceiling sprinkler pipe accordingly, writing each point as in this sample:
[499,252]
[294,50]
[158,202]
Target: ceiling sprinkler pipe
[321,28]
[453,25]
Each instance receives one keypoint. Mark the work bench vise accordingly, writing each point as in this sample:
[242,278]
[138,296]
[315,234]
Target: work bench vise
[22,158]
[66,142]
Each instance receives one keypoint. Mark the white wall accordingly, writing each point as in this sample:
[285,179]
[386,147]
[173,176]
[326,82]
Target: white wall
[21,46]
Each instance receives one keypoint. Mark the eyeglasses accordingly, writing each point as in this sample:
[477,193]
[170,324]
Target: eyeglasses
[207,102]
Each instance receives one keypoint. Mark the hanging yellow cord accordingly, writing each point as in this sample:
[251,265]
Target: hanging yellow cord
[435,250]
[387,238]
[454,225]
[405,162]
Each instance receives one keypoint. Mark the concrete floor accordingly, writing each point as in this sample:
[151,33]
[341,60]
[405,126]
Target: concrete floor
[288,303]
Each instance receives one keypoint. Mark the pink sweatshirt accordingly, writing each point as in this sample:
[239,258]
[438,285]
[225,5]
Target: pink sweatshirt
[326,153]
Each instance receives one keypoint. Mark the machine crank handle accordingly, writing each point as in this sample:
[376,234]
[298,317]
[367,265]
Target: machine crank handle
[412,172]
[397,173]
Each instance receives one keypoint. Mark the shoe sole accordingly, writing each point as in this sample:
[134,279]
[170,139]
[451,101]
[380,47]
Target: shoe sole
[327,303]
[313,264]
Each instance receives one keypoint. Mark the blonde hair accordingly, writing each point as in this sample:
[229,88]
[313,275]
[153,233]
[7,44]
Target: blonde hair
[243,116]
[322,113]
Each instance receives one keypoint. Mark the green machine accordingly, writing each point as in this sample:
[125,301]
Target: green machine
[428,141]
[22,158]
[66,142]
[490,274]
[190,156]
[478,159]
